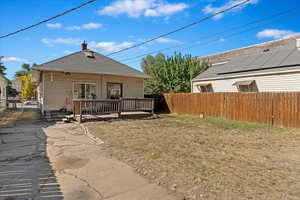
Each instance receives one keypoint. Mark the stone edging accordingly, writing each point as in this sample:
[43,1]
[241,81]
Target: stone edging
[98,141]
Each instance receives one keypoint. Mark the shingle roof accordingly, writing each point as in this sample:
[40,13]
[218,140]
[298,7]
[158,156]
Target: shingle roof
[265,62]
[80,62]
[1,76]
[257,48]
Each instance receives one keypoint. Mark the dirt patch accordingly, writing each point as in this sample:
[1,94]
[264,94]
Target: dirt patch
[12,118]
[208,158]
[66,162]
[8,118]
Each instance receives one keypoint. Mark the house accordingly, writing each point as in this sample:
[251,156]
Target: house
[17,85]
[3,84]
[272,69]
[85,75]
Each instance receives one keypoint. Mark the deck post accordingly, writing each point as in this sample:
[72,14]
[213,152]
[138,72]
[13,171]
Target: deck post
[74,110]
[120,108]
[152,106]
[80,111]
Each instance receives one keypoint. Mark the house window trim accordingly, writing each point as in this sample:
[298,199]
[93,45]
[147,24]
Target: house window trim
[199,86]
[252,86]
[85,83]
[121,84]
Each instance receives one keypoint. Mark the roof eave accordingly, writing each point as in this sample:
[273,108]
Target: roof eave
[112,74]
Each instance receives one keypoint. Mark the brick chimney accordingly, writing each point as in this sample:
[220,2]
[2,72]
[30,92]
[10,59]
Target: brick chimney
[84,46]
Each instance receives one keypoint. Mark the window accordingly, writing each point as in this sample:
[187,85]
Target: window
[114,90]
[246,86]
[205,87]
[84,91]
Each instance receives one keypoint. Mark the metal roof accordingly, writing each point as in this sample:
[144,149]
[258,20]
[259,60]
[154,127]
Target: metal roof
[81,62]
[265,62]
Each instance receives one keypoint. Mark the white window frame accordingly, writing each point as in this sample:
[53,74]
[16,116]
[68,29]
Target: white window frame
[199,86]
[85,83]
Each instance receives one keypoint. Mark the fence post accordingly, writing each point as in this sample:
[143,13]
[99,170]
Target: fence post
[152,106]
[272,109]
[80,111]
[120,108]
[74,109]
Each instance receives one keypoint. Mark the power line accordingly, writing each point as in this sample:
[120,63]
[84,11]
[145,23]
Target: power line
[218,39]
[217,33]
[48,19]
[181,28]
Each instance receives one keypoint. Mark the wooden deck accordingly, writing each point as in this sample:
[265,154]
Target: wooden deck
[107,108]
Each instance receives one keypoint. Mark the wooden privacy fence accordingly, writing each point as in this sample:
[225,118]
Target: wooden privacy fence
[280,109]
[109,106]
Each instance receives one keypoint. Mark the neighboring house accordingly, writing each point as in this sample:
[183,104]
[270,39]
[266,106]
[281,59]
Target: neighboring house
[274,69]
[85,75]
[3,84]
[224,57]
[17,85]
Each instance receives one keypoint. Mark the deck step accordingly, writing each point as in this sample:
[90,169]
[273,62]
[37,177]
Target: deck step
[52,116]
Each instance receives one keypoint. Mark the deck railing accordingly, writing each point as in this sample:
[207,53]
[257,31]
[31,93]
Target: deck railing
[137,104]
[109,106]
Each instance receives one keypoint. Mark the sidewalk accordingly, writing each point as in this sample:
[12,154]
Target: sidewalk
[84,171]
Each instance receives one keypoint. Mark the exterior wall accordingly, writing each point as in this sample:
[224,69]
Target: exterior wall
[58,88]
[17,85]
[3,84]
[132,87]
[289,82]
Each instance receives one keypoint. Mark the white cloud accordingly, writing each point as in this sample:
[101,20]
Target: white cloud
[275,33]
[74,28]
[165,10]
[54,26]
[110,47]
[68,41]
[91,25]
[88,26]
[14,59]
[147,8]
[167,40]
[209,9]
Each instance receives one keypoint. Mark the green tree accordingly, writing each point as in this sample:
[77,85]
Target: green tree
[11,92]
[24,71]
[2,68]
[173,74]
[150,60]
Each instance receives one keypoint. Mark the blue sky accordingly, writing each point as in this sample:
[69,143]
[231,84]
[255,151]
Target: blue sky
[110,25]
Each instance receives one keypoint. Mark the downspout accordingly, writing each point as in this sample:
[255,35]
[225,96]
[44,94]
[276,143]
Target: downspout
[43,96]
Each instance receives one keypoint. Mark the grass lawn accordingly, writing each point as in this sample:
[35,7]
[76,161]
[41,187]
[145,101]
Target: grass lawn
[208,158]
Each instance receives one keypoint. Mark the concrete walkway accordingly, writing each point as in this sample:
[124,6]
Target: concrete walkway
[25,170]
[57,161]
[85,172]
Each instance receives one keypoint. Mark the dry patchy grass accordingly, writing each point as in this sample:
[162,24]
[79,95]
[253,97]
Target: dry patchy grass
[10,118]
[208,158]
